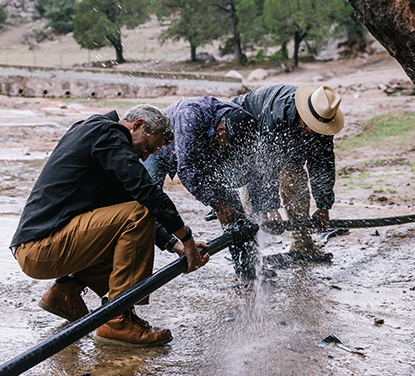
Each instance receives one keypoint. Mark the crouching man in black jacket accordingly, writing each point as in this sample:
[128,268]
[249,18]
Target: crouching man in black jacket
[90,219]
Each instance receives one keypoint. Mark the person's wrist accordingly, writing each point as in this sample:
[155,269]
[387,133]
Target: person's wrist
[188,235]
[170,244]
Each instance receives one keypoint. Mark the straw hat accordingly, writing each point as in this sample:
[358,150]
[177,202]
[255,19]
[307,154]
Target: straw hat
[320,109]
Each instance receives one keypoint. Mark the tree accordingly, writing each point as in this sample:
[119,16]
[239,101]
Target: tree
[392,23]
[98,23]
[192,20]
[200,22]
[230,9]
[311,19]
[3,15]
[41,5]
[60,14]
[250,26]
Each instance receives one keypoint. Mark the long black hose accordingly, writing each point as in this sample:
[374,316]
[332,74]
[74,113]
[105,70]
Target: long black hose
[294,225]
[116,306]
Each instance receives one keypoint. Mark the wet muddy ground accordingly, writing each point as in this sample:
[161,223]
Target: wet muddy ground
[223,325]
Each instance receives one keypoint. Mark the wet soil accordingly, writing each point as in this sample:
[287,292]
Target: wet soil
[223,325]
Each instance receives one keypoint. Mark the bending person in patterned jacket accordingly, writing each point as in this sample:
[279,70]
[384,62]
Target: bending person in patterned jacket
[213,139]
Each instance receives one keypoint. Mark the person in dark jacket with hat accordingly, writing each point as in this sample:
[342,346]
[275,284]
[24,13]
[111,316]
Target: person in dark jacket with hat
[296,127]
[90,219]
[212,138]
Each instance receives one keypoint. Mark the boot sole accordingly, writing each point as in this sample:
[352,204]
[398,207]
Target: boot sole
[109,341]
[42,304]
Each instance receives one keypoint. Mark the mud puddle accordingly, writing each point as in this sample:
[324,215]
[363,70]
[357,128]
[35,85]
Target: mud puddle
[227,326]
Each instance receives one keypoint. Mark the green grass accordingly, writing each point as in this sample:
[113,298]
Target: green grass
[397,128]
[359,181]
[365,185]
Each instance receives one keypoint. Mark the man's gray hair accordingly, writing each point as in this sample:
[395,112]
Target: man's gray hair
[156,121]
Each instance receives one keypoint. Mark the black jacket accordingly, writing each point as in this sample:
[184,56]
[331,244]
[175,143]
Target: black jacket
[93,166]
[281,142]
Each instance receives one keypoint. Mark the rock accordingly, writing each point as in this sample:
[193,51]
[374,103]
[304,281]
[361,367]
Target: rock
[339,48]
[391,23]
[400,87]
[379,322]
[330,50]
[235,74]
[38,34]
[30,38]
[257,74]
[205,57]
[20,11]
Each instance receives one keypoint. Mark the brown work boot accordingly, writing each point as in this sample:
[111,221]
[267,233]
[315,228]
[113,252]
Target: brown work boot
[129,330]
[309,252]
[64,300]
[309,249]
[302,242]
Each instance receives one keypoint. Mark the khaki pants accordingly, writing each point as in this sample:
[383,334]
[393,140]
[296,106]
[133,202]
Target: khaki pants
[295,196]
[109,249]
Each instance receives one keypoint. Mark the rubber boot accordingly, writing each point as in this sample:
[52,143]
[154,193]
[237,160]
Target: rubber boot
[244,260]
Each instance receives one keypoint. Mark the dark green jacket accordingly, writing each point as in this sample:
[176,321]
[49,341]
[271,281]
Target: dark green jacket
[281,142]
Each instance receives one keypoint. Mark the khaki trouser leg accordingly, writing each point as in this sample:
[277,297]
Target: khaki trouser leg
[296,199]
[109,249]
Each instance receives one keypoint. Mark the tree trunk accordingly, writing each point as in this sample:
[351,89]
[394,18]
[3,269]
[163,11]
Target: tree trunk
[239,55]
[392,23]
[118,50]
[284,50]
[192,54]
[120,57]
[229,9]
[298,38]
[297,41]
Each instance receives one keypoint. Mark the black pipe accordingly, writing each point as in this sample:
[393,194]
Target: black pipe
[294,225]
[116,306]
